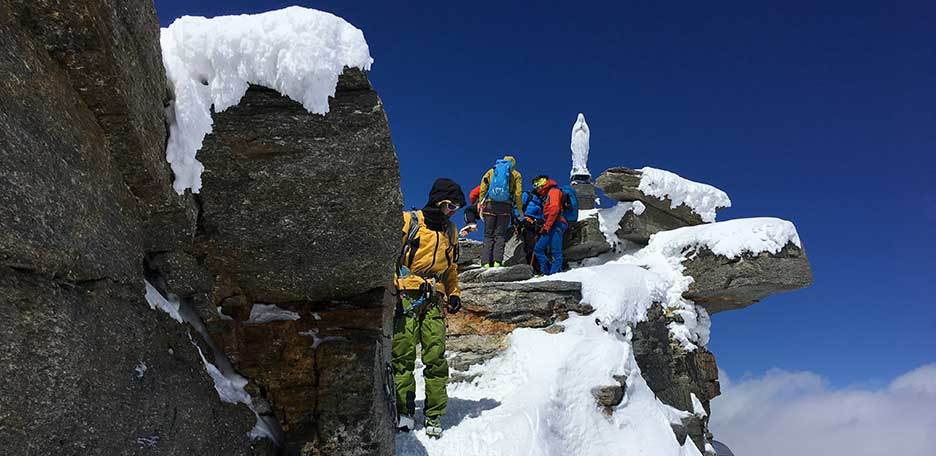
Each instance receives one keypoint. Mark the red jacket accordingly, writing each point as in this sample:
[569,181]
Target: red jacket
[474,195]
[552,204]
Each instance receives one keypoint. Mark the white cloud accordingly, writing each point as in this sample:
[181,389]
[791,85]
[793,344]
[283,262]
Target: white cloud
[796,413]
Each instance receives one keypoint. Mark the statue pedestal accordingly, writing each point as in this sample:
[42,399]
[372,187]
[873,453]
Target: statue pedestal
[585,192]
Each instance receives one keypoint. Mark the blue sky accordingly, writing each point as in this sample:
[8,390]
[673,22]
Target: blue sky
[824,115]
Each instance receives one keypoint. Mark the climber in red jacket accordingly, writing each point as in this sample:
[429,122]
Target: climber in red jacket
[554,228]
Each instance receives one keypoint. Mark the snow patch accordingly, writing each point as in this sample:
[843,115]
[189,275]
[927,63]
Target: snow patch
[702,199]
[210,63]
[729,238]
[265,313]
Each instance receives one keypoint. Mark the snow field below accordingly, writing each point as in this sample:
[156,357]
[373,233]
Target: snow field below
[535,400]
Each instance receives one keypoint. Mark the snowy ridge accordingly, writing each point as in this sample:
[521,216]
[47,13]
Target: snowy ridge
[535,398]
[299,52]
[703,199]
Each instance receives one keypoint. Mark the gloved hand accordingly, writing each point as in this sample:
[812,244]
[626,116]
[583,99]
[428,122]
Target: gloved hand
[467,229]
[454,304]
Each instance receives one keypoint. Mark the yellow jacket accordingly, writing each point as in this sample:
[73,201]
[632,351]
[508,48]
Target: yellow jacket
[516,185]
[434,259]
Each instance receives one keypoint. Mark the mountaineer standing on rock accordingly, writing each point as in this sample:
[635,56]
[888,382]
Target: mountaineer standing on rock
[501,192]
[426,278]
[560,207]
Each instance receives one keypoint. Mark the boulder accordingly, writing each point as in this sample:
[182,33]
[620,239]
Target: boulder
[721,283]
[584,239]
[610,396]
[469,253]
[516,273]
[639,228]
[467,350]
[623,184]
[498,308]
[515,250]
[674,374]
[303,212]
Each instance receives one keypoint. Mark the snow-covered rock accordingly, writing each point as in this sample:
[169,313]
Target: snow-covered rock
[210,63]
[692,202]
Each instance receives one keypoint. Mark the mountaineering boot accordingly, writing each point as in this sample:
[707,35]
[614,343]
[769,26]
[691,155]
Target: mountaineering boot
[496,264]
[433,427]
[406,423]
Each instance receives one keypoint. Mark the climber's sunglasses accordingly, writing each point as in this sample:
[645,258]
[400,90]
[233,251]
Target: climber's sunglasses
[449,205]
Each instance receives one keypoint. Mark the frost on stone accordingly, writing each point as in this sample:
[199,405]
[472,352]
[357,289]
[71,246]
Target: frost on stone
[140,369]
[148,441]
[609,219]
[702,199]
[210,63]
[265,313]
[157,301]
[317,340]
[697,407]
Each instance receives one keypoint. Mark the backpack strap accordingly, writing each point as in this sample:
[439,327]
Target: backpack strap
[453,240]
[408,247]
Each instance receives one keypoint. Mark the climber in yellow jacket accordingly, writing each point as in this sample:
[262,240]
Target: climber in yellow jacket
[426,279]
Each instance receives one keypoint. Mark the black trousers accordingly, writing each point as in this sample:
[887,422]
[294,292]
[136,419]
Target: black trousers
[496,228]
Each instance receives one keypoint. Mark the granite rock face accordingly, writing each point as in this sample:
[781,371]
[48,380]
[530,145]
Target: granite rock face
[89,368]
[503,274]
[722,284]
[639,228]
[673,373]
[303,212]
[297,206]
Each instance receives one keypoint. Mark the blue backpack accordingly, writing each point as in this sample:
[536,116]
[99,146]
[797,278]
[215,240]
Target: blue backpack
[499,187]
[570,207]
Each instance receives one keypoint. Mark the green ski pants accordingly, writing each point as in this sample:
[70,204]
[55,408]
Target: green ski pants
[429,330]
